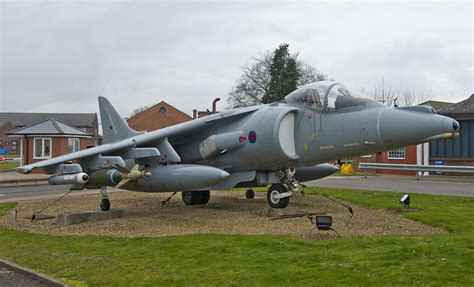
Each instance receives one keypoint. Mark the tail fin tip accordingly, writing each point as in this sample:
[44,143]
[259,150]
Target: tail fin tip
[114,127]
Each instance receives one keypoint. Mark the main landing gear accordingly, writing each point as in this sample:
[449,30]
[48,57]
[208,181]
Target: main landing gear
[195,197]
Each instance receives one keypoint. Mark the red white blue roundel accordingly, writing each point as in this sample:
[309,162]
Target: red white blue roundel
[252,136]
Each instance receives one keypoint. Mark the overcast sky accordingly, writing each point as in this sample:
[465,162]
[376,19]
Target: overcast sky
[58,57]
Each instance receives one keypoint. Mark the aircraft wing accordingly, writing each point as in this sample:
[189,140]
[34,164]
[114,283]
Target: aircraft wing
[120,140]
[107,148]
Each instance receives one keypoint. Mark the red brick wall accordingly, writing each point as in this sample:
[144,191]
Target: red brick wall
[59,147]
[152,119]
[410,158]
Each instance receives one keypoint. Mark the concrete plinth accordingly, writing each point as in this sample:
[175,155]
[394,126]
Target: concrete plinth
[76,218]
[278,212]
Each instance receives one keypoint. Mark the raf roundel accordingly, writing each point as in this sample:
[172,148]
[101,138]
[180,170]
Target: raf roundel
[252,136]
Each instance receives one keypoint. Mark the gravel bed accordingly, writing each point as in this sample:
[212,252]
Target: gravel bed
[227,212]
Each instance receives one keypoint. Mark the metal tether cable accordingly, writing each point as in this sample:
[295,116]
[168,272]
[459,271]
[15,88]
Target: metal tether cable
[349,208]
[33,217]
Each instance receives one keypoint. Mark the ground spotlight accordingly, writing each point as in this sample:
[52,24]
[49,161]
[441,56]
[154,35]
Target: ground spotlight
[323,222]
[405,200]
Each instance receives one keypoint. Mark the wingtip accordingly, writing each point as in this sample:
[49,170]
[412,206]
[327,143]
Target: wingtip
[23,170]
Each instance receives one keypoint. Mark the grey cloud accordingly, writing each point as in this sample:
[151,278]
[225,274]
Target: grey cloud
[61,56]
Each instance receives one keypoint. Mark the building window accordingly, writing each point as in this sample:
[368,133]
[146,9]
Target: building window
[42,148]
[162,110]
[14,145]
[73,145]
[398,153]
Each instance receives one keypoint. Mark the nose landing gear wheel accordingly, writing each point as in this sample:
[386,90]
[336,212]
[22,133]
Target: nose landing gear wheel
[275,190]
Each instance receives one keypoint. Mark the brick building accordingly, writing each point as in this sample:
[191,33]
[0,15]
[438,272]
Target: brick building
[157,117]
[87,122]
[48,139]
[17,133]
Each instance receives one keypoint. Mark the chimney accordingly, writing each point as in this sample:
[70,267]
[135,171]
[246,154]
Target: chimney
[214,104]
[195,114]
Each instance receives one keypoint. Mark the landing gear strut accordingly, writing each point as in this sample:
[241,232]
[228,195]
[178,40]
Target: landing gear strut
[278,195]
[105,202]
[195,197]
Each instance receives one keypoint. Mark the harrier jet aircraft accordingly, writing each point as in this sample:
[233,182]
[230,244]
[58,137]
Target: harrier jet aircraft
[276,144]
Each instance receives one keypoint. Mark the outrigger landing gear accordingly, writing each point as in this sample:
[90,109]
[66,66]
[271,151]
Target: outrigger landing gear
[249,194]
[196,197]
[278,195]
[105,202]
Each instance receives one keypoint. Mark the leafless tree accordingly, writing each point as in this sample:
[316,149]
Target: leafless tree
[255,80]
[400,97]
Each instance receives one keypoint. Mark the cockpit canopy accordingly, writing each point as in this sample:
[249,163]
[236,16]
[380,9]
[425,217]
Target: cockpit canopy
[327,95]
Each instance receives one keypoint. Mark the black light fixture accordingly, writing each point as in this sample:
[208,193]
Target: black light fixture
[405,200]
[323,222]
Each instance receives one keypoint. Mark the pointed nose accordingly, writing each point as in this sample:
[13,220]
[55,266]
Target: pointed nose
[402,127]
[450,125]
[455,125]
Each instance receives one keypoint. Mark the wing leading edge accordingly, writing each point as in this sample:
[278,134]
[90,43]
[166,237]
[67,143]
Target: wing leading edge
[121,138]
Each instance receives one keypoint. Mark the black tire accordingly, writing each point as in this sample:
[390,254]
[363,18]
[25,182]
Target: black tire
[188,197]
[105,204]
[249,194]
[202,196]
[277,202]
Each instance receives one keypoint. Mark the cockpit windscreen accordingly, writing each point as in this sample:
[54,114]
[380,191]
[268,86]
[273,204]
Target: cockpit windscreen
[327,95]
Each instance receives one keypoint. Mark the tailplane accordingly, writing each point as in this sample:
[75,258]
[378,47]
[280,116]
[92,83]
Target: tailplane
[114,128]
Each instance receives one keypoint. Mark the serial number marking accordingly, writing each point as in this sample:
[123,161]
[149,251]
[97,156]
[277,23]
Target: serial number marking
[351,144]
[326,147]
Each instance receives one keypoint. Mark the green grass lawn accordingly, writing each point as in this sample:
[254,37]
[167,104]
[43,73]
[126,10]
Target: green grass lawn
[217,260]
[8,165]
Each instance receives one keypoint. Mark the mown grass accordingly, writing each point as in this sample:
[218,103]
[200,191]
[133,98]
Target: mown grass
[228,260]
[8,165]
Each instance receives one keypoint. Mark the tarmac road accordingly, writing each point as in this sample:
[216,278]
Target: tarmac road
[11,193]
[428,185]
[456,186]
[11,278]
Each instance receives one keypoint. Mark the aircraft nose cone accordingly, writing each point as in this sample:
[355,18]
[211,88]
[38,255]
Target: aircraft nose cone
[450,125]
[401,127]
[455,125]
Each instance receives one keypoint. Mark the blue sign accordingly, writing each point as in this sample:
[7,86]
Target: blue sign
[439,162]
[4,150]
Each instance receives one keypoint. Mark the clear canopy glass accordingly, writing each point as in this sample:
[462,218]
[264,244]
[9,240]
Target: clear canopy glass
[327,95]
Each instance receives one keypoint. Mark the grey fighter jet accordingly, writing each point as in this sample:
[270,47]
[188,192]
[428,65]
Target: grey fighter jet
[277,144]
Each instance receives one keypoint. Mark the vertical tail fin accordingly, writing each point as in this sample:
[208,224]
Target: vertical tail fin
[114,128]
